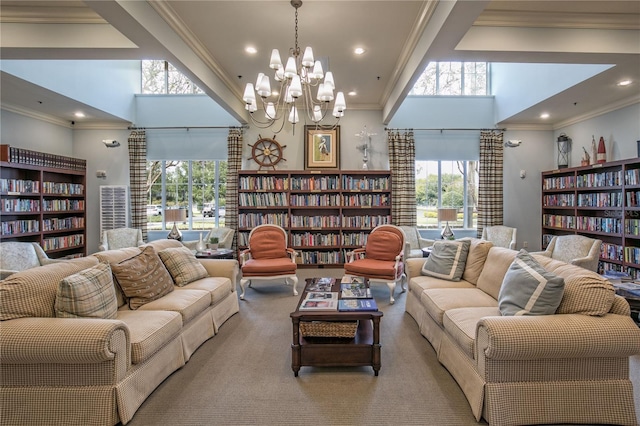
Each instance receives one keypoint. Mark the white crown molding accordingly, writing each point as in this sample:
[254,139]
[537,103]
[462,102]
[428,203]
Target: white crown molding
[601,21]
[35,115]
[600,111]
[49,15]
[525,126]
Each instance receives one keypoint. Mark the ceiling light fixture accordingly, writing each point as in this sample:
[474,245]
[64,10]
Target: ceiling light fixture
[79,114]
[359,51]
[298,79]
[544,115]
[624,82]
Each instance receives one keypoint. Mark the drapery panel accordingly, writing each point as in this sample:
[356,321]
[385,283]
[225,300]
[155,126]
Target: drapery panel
[402,156]
[490,180]
[137,143]
[234,164]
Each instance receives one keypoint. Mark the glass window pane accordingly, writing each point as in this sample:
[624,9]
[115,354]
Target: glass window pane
[153,77]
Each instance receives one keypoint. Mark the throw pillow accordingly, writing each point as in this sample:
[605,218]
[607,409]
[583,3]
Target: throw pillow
[143,277]
[447,260]
[529,289]
[182,265]
[87,294]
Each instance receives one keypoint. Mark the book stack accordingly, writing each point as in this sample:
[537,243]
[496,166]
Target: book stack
[320,301]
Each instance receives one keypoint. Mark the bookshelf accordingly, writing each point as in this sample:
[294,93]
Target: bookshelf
[598,201]
[325,214]
[42,199]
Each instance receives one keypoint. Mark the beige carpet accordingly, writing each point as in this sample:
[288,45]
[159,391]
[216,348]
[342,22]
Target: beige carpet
[243,376]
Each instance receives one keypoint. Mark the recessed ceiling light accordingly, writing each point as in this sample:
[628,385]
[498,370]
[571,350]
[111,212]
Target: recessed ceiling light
[251,50]
[544,115]
[624,82]
[359,51]
[352,93]
[79,114]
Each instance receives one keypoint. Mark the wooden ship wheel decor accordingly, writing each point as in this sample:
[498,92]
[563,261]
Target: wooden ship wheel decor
[267,152]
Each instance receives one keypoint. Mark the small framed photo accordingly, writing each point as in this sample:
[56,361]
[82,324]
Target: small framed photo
[321,148]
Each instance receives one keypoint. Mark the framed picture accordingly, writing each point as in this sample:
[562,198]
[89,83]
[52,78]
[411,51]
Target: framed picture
[321,148]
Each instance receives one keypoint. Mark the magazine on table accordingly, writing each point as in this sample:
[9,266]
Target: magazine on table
[359,305]
[321,295]
[319,305]
[321,284]
[355,291]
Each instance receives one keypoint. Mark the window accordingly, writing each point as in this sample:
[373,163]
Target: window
[160,77]
[449,184]
[198,186]
[453,79]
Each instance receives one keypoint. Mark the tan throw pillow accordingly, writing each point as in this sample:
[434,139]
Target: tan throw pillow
[478,251]
[88,294]
[143,278]
[182,265]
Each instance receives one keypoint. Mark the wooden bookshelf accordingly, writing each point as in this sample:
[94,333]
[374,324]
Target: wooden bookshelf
[325,214]
[598,201]
[42,203]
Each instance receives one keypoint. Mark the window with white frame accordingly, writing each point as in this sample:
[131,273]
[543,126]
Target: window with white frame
[453,79]
[199,186]
[161,78]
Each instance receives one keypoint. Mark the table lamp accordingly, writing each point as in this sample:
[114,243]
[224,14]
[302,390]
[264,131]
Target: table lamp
[445,215]
[175,215]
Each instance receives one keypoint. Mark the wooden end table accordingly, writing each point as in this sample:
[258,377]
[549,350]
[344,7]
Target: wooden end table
[362,350]
[215,254]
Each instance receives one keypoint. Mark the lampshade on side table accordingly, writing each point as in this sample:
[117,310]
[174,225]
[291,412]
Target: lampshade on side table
[446,215]
[175,215]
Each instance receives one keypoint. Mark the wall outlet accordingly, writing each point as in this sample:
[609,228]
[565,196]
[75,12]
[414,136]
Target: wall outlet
[525,244]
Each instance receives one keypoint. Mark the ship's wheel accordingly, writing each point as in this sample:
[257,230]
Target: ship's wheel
[267,152]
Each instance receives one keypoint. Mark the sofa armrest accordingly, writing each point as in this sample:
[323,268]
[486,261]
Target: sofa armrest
[222,268]
[556,336]
[545,253]
[414,265]
[5,273]
[64,341]
[425,242]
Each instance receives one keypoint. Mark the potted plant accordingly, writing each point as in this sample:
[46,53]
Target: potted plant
[213,243]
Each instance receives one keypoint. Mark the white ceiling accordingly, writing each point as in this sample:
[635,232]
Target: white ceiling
[206,40]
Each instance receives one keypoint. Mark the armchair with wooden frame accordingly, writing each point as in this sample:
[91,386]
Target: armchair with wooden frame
[381,259]
[268,258]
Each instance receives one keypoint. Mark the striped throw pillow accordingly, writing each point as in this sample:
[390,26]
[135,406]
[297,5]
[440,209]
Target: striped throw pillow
[182,265]
[87,294]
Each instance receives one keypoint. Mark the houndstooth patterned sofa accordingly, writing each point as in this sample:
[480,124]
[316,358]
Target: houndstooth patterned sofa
[90,371]
[568,368]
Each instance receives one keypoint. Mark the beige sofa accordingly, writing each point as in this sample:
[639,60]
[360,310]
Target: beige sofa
[569,367]
[89,371]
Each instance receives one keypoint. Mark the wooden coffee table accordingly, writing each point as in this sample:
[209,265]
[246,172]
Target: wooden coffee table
[361,350]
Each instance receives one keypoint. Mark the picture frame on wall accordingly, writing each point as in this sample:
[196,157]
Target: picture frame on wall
[321,148]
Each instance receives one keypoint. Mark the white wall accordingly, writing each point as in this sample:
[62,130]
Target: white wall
[29,133]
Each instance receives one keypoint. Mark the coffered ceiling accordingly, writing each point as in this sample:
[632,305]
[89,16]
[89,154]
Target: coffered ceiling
[207,39]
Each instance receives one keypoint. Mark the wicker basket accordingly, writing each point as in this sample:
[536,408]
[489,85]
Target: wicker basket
[345,329]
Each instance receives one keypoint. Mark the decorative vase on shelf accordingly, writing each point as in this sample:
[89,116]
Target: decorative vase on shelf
[602,151]
[594,150]
[201,245]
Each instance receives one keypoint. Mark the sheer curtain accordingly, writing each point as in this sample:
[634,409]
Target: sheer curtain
[234,164]
[490,180]
[402,156]
[137,143]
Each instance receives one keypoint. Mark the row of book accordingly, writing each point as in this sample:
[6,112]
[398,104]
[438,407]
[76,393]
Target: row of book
[20,205]
[559,221]
[266,199]
[314,239]
[560,182]
[316,221]
[315,183]
[633,198]
[559,200]
[62,205]
[251,220]
[263,183]
[611,251]
[366,200]
[62,188]
[353,295]
[315,200]
[15,227]
[62,223]
[68,241]
[632,177]
[599,224]
[591,180]
[365,184]
[312,183]
[20,186]
[600,199]
[34,158]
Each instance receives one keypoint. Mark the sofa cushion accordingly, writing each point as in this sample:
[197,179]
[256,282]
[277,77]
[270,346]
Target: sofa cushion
[461,323]
[188,303]
[143,278]
[495,267]
[383,245]
[529,289]
[89,293]
[32,293]
[585,292]
[149,331]
[268,267]
[182,265]
[447,260]
[439,300]
[478,252]
[421,282]
[218,287]
[268,243]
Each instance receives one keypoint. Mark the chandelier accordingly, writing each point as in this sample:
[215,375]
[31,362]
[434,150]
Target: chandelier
[303,86]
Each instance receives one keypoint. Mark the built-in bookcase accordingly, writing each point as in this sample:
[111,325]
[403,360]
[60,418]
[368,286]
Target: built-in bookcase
[325,214]
[599,201]
[42,203]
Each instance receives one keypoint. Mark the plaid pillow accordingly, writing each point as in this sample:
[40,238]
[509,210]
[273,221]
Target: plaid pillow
[87,294]
[182,265]
[143,278]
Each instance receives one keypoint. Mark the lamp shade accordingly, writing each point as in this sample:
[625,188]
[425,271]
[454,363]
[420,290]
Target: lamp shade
[175,215]
[446,215]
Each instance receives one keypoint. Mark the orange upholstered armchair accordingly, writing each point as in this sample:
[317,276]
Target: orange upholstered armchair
[268,258]
[381,259]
